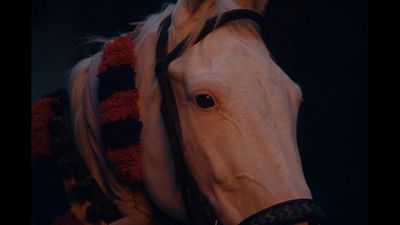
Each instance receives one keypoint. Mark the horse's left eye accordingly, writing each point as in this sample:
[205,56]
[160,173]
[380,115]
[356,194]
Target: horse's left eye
[204,101]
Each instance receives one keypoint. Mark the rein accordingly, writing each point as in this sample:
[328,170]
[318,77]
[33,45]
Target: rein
[198,210]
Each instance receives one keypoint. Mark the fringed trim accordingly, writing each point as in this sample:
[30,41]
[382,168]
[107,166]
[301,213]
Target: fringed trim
[40,137]
[118,108]
[118,52]
[127,162]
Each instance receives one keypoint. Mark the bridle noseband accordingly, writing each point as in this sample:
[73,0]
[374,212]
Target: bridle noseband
[197,208]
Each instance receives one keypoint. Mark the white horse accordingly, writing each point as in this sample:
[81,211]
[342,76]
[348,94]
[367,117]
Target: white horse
[241,149]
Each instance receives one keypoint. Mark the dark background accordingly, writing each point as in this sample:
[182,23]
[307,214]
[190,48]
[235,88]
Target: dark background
[321,44]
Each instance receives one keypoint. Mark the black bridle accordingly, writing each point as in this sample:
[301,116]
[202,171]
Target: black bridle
[197,208]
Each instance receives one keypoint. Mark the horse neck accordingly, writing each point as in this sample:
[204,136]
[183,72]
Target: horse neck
[157,162]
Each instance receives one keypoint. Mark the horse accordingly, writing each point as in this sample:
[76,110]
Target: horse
[235,114]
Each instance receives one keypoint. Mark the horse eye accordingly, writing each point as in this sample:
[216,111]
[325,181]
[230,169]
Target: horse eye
[204,101]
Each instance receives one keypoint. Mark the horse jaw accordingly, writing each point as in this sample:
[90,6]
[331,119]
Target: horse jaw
[247,143]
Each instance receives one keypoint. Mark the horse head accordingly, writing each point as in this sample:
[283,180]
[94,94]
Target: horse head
[237,108]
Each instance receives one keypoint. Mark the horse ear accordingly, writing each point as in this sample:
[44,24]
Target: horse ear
[193,5]
[258,5]
[184,9]
[190,6]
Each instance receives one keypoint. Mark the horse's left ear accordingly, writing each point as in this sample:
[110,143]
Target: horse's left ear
[193,5]
[258,5]
[184,9]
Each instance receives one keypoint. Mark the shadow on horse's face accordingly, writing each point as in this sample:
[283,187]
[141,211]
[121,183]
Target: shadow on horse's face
[238,113]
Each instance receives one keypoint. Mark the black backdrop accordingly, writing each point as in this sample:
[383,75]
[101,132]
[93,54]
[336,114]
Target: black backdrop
[321,44]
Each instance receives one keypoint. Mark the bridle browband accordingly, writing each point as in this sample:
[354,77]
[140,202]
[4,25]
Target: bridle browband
[198,210]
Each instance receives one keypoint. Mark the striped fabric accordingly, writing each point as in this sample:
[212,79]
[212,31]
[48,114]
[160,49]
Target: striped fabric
[41,113]
[48,125]
[118,109]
